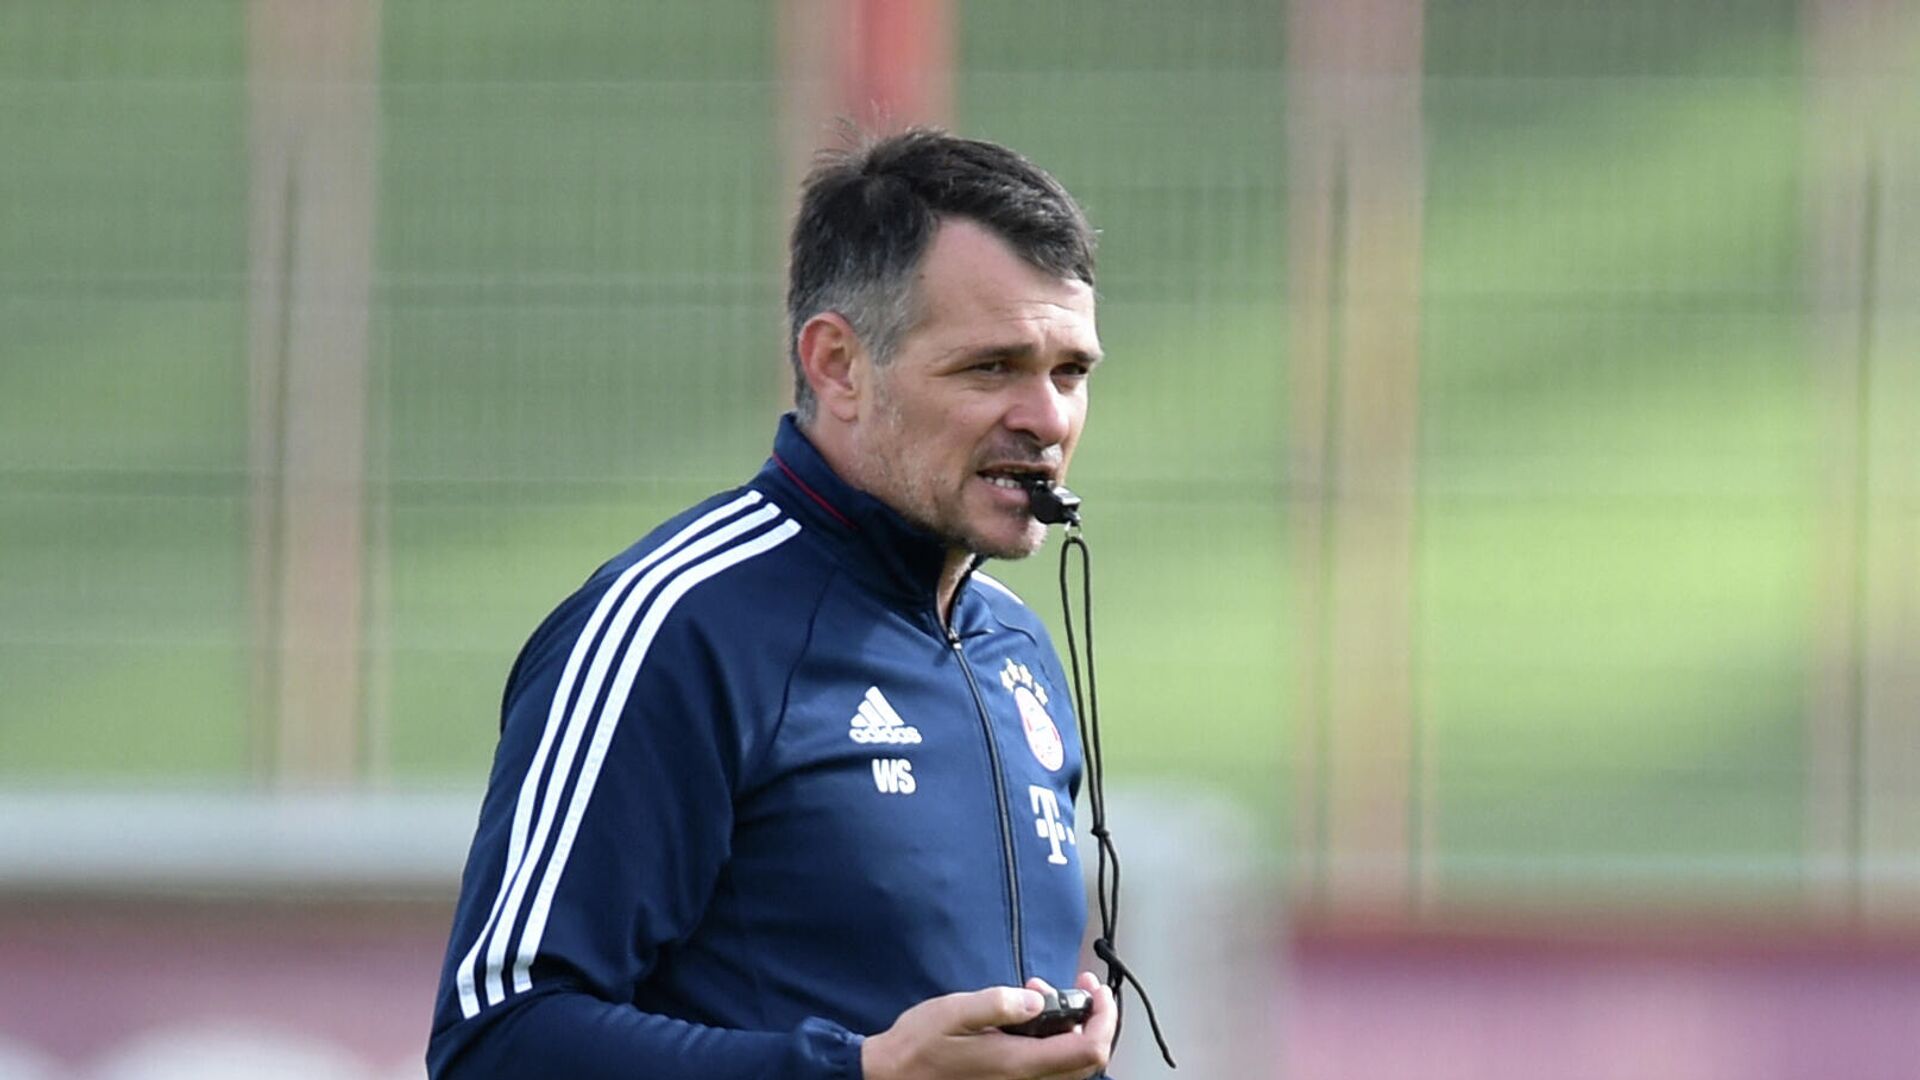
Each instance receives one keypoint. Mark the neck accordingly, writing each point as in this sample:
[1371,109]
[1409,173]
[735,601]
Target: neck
[958,561]
[835,445]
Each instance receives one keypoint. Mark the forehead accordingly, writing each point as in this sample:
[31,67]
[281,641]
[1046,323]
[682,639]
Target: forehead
[971,281]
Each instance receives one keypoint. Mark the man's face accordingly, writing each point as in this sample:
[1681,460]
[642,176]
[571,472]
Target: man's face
[989,385]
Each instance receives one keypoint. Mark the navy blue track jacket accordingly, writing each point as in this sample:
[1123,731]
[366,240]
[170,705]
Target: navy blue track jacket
[752,800]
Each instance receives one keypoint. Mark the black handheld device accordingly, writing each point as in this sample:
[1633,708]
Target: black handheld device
[1064,1009]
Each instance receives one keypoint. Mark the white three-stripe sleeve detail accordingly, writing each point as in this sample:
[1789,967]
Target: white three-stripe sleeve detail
[579,717]
[609,722]
[530,785]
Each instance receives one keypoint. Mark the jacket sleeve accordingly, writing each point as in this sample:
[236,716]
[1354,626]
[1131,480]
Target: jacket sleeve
[606,823]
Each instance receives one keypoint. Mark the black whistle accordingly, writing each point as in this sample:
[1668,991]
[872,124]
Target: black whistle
[1051,503]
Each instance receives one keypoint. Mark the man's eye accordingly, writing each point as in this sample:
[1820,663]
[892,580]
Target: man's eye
[990,367]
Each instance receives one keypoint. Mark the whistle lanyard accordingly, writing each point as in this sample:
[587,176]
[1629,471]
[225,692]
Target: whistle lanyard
[1107,865]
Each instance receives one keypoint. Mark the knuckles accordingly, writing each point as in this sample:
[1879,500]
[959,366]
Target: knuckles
[1019,1004]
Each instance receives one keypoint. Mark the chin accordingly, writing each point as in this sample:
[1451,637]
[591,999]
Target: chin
[1010,547]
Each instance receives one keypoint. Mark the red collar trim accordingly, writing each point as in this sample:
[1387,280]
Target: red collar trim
[824,504]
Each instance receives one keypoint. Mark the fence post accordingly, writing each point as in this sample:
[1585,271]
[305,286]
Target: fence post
[1863,292]
[1357,180]
[313,101]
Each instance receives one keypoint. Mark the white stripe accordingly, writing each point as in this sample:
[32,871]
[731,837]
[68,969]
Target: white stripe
[871,715]
[611,647]
[886,707]
[609,722]
[530,786]
[996,583]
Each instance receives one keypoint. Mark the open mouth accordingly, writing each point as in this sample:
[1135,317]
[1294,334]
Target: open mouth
[1014,477]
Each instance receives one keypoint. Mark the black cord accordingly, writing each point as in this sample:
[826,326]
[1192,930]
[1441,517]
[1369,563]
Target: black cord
[1107,863]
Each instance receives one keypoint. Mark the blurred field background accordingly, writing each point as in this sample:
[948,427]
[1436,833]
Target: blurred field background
[1505,487]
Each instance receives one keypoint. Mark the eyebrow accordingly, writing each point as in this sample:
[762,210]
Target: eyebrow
[1015,351]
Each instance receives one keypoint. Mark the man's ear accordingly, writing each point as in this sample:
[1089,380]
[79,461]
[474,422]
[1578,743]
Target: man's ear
[832,358]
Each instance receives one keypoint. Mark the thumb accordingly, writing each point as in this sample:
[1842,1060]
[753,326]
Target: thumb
[981,1010]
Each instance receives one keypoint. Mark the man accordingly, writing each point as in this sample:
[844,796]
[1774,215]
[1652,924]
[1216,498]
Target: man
[786,789]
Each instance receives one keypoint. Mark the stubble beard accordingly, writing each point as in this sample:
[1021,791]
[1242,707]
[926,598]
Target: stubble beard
[914,493]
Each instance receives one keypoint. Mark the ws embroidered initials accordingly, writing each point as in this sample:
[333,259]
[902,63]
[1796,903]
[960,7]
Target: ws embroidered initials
[893,776]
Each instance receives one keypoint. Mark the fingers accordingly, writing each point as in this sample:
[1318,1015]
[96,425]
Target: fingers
[996,1006]
[952,1036]
[1072,1055]
[1084,1051]
[1106,1013]
[956,1036]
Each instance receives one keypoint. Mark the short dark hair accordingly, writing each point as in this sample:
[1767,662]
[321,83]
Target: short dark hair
[868,213]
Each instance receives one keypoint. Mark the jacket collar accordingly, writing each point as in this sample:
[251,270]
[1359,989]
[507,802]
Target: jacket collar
[892,555]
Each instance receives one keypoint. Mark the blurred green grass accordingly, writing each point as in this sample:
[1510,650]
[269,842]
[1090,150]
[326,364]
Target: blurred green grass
[577,332]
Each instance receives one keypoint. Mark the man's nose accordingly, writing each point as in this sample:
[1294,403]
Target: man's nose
[1043,411]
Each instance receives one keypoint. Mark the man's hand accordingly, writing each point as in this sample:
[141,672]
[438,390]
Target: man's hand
[957,1037]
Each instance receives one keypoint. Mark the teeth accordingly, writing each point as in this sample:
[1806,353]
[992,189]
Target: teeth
[1002,481]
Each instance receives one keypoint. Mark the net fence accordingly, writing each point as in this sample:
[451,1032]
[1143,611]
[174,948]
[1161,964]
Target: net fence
[1636,275]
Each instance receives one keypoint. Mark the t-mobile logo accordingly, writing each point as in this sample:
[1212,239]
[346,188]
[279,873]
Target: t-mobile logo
[1046,822]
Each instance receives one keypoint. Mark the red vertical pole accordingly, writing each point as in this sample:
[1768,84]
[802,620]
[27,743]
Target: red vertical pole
[898,70]
[881,65]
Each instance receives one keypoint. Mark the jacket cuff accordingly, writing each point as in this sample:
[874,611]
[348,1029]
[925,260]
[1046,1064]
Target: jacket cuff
[828,1051]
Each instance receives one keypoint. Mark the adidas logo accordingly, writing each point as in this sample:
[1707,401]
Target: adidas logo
[876,722]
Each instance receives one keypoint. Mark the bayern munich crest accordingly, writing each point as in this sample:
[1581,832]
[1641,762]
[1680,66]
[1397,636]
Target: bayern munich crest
[1043,738]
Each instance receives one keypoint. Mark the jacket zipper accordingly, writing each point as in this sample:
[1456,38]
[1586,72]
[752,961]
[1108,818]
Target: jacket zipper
[1000,795]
